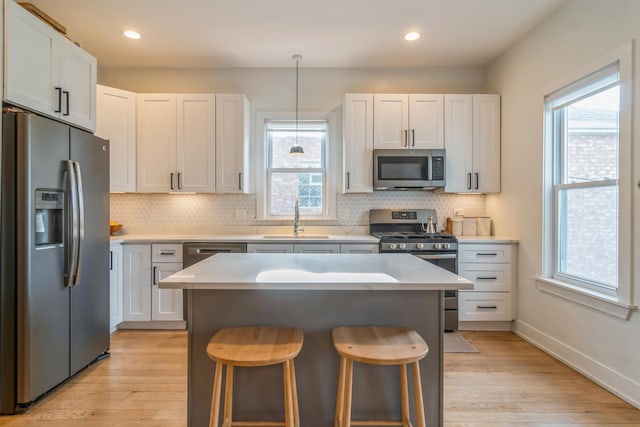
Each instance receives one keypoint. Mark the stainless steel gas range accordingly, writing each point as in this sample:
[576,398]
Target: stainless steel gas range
[405,230]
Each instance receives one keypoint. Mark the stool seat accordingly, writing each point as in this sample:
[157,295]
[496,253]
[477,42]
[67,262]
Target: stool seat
[379,345]
[255,346]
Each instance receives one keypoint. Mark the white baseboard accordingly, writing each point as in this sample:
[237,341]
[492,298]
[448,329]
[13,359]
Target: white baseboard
[484,326]
[606,377]
[157,324]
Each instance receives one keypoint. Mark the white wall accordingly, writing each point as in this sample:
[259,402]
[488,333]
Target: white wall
[273,89]
[603,347]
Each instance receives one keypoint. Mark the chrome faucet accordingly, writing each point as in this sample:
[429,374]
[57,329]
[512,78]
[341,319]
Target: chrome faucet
[297,228]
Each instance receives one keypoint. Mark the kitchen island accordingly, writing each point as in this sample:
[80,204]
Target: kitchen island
[314,292]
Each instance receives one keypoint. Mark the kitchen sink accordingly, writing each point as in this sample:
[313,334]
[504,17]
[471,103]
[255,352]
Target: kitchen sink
[291,236]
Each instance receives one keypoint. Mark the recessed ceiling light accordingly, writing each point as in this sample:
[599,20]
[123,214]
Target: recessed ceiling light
[412,36]
[132,34]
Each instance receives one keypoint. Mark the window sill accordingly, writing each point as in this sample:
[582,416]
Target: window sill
[597,301]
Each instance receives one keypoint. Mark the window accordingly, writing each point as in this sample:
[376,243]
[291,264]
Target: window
[587,184]
[305,176]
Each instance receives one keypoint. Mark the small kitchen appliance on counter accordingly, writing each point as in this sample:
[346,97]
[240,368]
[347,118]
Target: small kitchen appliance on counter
[405,231]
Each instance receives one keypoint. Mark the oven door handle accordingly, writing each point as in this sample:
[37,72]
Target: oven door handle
[437,256]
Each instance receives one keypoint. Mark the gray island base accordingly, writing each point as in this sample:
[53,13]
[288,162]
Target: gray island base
[407,293]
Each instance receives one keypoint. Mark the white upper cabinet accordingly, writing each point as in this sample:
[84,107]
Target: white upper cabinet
[472,141]
[47,73]
[408,121]
[176,143]
[116,121]
[358,143]
[156,143]
[232,143]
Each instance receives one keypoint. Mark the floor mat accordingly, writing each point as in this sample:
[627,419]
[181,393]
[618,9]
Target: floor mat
[454,343]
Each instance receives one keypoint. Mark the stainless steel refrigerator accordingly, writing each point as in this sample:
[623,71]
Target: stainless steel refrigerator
[54,255]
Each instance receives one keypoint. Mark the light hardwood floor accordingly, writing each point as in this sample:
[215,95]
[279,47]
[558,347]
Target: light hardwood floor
[508,383]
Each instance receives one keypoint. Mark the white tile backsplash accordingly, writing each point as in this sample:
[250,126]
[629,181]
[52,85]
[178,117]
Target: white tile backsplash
[151,212]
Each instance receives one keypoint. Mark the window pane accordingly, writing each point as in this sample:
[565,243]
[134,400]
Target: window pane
[592,137]
[285,186]
[311,142]
[588,231]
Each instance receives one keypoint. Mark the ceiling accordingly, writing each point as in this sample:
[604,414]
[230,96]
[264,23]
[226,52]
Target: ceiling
[327,33]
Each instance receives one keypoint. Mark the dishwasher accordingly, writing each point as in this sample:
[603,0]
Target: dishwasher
[197,251]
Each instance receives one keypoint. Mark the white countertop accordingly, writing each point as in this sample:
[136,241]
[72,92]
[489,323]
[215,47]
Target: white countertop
[315,272]
[249,238]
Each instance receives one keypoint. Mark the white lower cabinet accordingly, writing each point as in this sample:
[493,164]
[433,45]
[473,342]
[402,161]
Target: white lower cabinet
[116,298]
[491,267]
[147,306]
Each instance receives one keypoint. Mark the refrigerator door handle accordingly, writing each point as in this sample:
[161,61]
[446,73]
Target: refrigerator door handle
[80,193]
[72,236]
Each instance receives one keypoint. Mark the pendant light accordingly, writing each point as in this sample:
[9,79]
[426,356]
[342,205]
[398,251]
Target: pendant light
[296,149]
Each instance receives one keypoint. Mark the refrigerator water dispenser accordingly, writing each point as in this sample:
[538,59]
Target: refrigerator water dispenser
[48,218]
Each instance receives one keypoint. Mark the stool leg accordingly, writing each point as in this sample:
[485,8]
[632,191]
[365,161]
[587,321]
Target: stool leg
[215,396]
[288,404]
[228,398]
[417,391]
[337,422]
[294,394]
[348,384]
[404,393]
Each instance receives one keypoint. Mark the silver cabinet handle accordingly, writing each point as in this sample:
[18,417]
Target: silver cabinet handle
[487,254]
[487,278]
[469,181]
[487,307]
[477,181]
[171,178]
[348,180]
[155,276]
[413,137]
[58,95]
[240,181]
[406,138]
[110,260]
[168,252]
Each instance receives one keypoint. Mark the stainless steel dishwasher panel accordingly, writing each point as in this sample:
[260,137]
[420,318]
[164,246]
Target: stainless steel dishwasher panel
[197,251]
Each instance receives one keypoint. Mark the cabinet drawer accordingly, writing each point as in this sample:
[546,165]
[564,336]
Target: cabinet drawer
[484,253]
[166,252]
[484,306]
[487,277]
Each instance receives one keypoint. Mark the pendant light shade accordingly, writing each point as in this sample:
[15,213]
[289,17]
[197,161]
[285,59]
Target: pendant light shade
[296,149]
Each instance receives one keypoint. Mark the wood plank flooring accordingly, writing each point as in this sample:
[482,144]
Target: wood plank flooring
[508,383]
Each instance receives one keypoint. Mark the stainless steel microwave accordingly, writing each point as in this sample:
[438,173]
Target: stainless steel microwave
[408,169]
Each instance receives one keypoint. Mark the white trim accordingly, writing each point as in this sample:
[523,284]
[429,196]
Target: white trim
[622,303]
[331,162]
[598,301]
[606,377]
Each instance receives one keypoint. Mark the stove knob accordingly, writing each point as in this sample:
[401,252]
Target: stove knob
[419,245]
[446,245]
[437,245]
[392,245]
[402,245]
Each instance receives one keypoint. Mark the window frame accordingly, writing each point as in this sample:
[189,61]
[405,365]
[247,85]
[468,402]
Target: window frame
[263,162]
[613,301]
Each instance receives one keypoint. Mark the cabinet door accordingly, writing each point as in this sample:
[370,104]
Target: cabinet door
[116,121]
[31,68]
[196,143]
[316,248]
[359,248]
[426,121]
[166,304]
[486,143]
[156,145]
[390,121]
[358,143]
[270,248]
[458,118]
[137,282]
[232,143]
[116,297]
[78,72]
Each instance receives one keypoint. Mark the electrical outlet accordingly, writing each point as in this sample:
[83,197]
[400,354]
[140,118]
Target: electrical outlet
[240,214]
[344,213]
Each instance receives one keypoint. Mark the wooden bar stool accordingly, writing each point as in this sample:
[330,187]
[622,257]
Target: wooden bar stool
[379,345]
[252,347]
